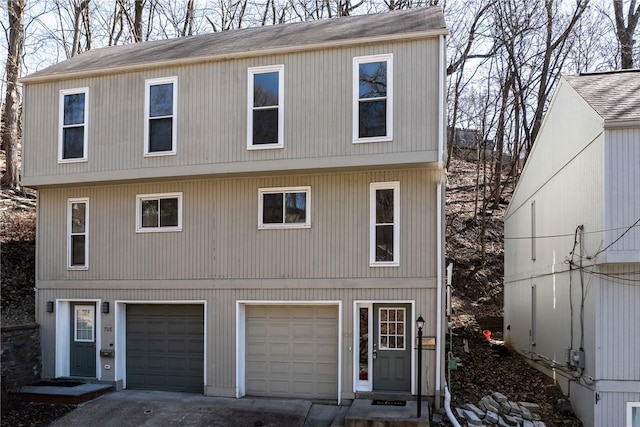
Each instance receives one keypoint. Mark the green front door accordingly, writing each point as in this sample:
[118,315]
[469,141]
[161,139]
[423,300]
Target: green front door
[391,347]
[83,340]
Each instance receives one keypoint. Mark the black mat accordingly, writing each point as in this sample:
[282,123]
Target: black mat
[389,402]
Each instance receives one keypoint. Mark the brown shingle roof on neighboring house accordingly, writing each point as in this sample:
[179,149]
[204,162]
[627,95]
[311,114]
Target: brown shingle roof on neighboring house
[613,95]
[251,41]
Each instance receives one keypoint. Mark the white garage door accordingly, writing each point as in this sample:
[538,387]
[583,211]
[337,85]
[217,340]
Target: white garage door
[292,351]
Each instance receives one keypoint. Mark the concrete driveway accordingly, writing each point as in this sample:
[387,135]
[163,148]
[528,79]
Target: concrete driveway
[130,408]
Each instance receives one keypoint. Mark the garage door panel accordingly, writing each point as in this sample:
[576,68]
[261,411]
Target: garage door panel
[279,368]
[304,350]
[279,350]
[296,355]
[326,350]
[165,347]
[256,368]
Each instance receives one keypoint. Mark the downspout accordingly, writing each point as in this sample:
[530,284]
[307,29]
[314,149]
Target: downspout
[447,407]
[439,218]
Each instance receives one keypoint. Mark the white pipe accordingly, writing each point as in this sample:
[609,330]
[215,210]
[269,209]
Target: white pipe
[439,219]
[447,407]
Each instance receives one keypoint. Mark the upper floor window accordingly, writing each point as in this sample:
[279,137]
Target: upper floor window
[73,130]
[372,98]
[385,223]
[159,212]
[160,131]
[265,116]
[284,207]
[78,234]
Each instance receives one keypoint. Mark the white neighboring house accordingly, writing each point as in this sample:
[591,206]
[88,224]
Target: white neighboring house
[572,248]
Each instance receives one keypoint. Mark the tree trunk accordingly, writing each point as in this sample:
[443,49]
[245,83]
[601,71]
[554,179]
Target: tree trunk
[626,32]
[11,116]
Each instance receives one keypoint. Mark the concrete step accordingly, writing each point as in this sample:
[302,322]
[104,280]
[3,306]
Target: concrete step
[362,413]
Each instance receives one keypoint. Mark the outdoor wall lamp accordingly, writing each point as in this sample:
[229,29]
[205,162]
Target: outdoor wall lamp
[105,307]
[420,325]
[49,306]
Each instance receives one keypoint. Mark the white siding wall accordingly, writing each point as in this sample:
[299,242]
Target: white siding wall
[212,111]
[565,176]
[618,324]
[623,194]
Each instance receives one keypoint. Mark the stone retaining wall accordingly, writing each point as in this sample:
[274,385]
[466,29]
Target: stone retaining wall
[20,354]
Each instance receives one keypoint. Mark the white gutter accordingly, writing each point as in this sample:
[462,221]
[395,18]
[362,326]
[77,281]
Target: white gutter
[447,407]
[439,219]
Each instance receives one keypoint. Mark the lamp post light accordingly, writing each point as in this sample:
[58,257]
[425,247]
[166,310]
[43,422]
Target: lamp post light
[420,325]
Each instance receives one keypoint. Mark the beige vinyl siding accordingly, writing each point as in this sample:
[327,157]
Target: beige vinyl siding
[211,118]
[220,238]
[220,322]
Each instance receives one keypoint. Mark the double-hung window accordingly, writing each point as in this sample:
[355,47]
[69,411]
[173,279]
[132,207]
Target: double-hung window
[265,114]
[78,234]
[160,127]
[373,98]
[159,212]
[73,129]
[284,207]
[385,224]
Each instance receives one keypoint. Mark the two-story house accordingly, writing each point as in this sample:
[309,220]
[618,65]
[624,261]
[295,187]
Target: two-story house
[252,212]
[572,248]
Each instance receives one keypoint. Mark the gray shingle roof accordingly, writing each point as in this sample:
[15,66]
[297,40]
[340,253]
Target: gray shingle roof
[614,95]
[251,40]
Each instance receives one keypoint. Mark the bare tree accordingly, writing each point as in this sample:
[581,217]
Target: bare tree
[625,32]
[11,114]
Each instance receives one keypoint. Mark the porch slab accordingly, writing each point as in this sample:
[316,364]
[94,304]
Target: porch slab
[362,413]
[64,394]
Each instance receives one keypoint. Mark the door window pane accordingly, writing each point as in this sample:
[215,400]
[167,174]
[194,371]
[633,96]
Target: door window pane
[84,324]
[364,344]
[391,327]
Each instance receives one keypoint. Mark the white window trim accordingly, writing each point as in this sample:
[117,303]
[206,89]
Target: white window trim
[305,189]
[157,196]
[374,186]
[70,202]
[356,97]
[75,322]
[63,93]
[630,407]
[174,116]
[250,73]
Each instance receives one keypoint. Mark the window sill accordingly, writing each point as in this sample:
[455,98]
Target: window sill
[79,160]
[264,147]
[79,268]
[283,226]
[160,154]
[386,264]
[374,139]
[159,230]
